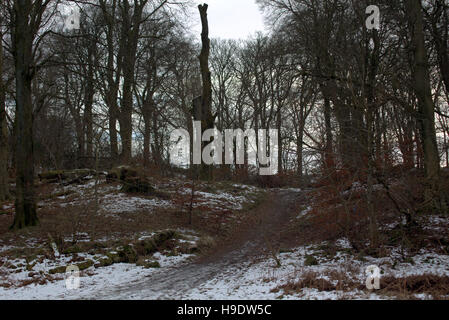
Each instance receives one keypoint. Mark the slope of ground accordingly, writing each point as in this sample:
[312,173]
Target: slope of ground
[262,257]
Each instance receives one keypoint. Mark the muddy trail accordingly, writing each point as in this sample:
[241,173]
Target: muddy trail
[262,235]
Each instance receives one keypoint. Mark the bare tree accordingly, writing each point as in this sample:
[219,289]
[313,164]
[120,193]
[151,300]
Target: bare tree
[205,105]
[426,108]
[26,19]
[4,189]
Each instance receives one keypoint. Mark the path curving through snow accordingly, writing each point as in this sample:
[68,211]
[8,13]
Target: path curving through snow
[182,281]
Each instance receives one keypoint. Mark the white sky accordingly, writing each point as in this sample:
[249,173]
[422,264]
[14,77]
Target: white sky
[231,19]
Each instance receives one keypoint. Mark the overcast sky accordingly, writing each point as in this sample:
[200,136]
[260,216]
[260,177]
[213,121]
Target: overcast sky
[232,19]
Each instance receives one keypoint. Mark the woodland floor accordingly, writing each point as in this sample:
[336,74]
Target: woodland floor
[243,243]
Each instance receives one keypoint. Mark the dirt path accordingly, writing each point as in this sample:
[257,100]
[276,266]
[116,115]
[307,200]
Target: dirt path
[262,235]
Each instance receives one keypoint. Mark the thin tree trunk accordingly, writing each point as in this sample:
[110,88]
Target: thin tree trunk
[112,84]
[146,140]
[329,149]
[112,122]
[88,102]
[4,190]
[278,127]
[299,152]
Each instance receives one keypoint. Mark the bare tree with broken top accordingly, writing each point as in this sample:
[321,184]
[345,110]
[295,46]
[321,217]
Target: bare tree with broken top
[203,105]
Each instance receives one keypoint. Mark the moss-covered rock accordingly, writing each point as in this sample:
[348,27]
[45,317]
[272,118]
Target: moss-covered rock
[60,269]
[310,261]
[104,262]
[163,236]
[149,246]
[81,266]
[128,254]
[143,262]
[152,264]
[53,175]
[137,185]
[114,256]
[76,175]
[146,247]
[122,173]
[72,250]
[84,265]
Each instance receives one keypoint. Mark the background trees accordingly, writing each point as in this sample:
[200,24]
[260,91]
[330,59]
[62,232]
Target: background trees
[346,100]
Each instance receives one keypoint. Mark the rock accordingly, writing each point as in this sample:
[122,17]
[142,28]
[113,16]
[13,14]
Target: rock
[163,236]
[310,261]
[104,262]
[150,246]
[81,266]
[111,177]
[60,269]
[142,262]
[137,185]
[74,176]
[52,176]
[133,180]
[136,252]
[114,256]
[128,254]
[80,175]
[146,247]
[85,265]
[152,264]
[72,249]
[121,174]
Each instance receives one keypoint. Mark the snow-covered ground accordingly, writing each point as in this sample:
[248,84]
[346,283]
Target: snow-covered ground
[30,277]
[262,279]
[113,201]
[250,280]
[91,281]
[22,279]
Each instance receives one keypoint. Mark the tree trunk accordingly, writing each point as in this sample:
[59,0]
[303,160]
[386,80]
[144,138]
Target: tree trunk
[112,122]
[329,148]
[111,90]
[22,42]
[88,102]
[146,142]
[207,119]
[4,190]
[440,39]
[299,152]
[422,88]
[278,127]
[147,112]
